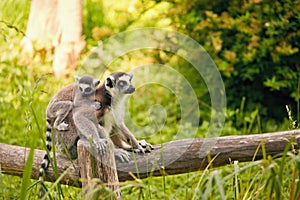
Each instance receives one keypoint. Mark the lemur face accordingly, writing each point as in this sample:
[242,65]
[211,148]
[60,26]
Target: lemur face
[87,85]
[120,83]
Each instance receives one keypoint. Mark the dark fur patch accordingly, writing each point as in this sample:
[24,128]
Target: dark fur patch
[48,138]
[44,167]
[109,83]
[46,157]
[41,173]
[48,147]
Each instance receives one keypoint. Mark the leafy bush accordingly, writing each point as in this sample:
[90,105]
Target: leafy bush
[255,45]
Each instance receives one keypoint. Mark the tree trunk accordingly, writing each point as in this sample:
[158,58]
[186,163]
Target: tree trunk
[175,157]
[103,168]
[58,24]
[71,43]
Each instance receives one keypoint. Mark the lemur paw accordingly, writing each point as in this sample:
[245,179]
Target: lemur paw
[97,105]
[101,146]
[147,147]
[122,155]
[63,126]
[139,150]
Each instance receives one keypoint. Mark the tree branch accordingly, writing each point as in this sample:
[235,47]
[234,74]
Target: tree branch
[175,157]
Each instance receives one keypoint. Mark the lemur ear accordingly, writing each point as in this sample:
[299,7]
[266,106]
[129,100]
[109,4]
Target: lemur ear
[130,74]
[77,78]
[110,82]
[96,82]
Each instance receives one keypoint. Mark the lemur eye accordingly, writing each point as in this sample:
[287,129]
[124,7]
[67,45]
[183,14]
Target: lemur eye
[88,90]
[122,83]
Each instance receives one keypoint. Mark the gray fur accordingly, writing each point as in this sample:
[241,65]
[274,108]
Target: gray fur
[84,114]
[108,106]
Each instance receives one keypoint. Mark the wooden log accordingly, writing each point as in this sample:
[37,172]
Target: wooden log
[175,157]
[92,165]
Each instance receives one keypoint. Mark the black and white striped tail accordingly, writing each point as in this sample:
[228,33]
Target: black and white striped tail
[46,159]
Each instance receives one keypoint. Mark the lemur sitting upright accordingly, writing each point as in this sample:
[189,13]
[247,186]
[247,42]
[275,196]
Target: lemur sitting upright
[111,98]
[118,86]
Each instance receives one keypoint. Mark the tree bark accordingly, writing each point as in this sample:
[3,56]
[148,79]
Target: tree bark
[102,167]
[58,24]
[175,157]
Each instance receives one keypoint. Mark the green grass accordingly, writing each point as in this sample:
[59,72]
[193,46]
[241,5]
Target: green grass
[253,180]
[26,88]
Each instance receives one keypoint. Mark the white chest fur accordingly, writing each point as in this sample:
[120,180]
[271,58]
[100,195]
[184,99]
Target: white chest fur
[109,121]
[115,116]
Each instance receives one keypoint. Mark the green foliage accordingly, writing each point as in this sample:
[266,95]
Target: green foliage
[255,44]
[11,18]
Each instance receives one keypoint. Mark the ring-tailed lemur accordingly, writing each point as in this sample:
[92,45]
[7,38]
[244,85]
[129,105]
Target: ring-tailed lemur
[84,112]
[83,92]
[118,85]
[111,98]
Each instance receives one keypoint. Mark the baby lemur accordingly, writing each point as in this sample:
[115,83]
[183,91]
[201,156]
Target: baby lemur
[81,95]
[84,112]
[109,107]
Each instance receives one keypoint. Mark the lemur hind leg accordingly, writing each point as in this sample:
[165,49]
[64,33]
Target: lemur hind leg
[60,111]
